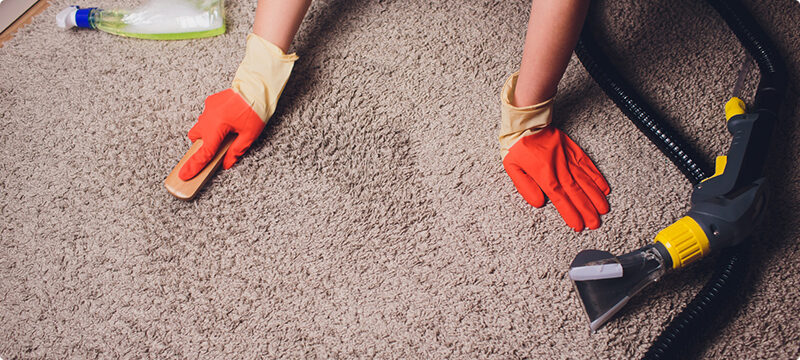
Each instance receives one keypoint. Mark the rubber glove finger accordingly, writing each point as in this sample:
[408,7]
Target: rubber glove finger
[525,185]
[564,205]
[194,132]
[579,199]
[238,148]
[196,163]
[591,170]
[579,157]
[590,188]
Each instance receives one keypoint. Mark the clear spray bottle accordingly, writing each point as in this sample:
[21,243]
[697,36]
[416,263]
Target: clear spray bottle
[156,20]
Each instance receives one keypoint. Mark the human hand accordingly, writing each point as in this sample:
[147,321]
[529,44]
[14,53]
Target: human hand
[243,109]
[548,163]
[224,112]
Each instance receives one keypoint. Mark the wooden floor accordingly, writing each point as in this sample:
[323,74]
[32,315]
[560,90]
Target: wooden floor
[26,18]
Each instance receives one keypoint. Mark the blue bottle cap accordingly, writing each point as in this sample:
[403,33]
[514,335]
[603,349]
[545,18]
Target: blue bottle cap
[82,18]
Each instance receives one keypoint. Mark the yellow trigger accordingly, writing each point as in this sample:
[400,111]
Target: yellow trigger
[719,167]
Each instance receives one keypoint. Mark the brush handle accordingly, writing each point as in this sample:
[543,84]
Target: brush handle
[186,190]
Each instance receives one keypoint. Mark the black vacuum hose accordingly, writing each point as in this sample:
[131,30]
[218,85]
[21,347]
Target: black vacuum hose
[688,328]
[772,86]
[659,132]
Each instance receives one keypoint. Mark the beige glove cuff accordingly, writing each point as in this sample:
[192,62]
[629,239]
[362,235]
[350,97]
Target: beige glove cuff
[518,122]
[262,75]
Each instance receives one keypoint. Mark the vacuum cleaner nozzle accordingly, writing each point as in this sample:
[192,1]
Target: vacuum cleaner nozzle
[605,282]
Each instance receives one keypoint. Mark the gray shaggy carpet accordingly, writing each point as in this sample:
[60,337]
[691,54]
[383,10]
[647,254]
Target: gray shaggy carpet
[373,217]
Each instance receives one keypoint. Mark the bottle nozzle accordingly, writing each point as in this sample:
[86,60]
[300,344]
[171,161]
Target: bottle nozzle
[66,18]
[74,16]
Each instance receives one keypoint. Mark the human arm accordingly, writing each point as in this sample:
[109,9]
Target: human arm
[246,107]
[539,158]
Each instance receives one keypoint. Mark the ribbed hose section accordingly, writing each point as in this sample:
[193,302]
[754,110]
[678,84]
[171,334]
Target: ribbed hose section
[689,328]
[773,70]
[750,35]
[682,335]
[632,105]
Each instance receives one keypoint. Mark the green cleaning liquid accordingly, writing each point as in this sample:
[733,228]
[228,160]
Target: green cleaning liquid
[156,20]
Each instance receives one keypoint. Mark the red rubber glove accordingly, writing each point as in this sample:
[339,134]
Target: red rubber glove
[243,109]
[224,112]
[548,163]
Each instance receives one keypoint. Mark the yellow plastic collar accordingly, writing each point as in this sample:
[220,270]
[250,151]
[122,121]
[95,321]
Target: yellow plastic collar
[685,241]
[733,107]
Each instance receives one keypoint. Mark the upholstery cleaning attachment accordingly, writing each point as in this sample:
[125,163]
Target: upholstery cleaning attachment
[740,174]
[606,282]
[726,208]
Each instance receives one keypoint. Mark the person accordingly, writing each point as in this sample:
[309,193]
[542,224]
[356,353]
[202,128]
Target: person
[248,104]
[540,159]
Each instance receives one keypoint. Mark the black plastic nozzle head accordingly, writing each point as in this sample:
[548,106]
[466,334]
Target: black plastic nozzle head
[603,296]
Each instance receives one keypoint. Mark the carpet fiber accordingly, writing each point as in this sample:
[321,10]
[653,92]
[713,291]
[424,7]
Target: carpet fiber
[373,217]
